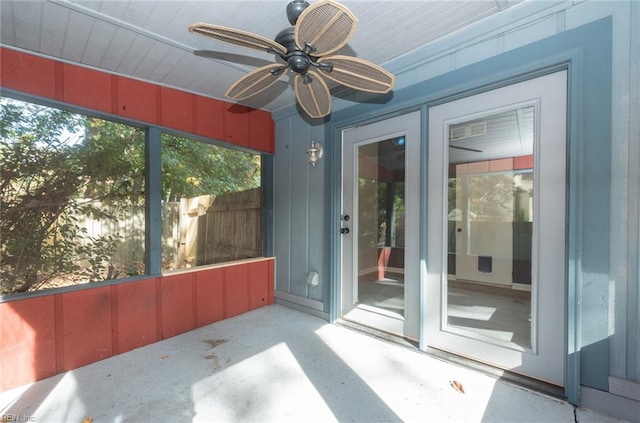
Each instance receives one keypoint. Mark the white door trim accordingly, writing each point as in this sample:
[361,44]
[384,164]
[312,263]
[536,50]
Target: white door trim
[407,125]
[545,360]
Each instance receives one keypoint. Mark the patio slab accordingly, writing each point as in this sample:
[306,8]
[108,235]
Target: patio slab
[276,364]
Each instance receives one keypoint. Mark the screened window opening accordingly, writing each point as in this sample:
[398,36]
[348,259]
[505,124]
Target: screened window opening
[212,204]
[72,192]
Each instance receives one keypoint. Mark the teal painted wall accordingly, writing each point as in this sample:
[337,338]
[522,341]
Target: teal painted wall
[300,235]
[605,203]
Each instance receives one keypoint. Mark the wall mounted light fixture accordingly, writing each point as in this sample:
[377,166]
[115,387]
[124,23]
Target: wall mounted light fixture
[314,153]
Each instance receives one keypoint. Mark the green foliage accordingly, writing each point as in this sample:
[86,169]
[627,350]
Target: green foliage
[191,168]
[58,169]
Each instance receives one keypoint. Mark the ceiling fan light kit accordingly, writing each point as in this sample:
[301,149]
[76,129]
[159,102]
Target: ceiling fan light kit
[318,30]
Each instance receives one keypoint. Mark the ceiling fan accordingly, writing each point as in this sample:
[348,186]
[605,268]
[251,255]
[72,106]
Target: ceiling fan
[318,30]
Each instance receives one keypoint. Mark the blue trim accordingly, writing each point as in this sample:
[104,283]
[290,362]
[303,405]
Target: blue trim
[333,152]
[331,221]
[586,53]
[267,184]
[424,230]
[153,202]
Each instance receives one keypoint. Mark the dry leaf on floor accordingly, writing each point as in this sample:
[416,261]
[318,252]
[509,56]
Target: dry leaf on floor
[88,420]
[164,357]
[457,386]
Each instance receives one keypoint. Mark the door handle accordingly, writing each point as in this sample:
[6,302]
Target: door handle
[459,229]
[344,231]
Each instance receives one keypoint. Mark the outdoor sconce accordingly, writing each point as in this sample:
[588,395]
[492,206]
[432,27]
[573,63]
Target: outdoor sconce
[314,153]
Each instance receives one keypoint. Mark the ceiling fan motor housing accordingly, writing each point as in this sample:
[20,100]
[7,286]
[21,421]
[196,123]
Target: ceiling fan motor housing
[294,9]
[297,60]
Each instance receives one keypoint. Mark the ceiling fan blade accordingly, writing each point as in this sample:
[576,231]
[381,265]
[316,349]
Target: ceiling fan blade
[313,94]
[255,81]
[326,26]
[236,36]
[358,74]
[465,148]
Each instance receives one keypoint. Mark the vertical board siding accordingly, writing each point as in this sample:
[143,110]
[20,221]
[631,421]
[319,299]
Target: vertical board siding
[300,210]
[261,125]
[177,304]
[210,118]
[86,327]
[136,315]
[177,109]
[29,74]
[43,336]
[258,291]
[40,337]
[236,290]
[27,341]
[137,100]
[237,125]
[210,296]
[85,88]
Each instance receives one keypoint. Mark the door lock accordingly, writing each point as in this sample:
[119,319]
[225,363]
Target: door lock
[344,231]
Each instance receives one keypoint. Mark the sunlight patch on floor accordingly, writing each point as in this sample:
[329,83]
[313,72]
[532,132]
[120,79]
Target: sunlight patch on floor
[266,376]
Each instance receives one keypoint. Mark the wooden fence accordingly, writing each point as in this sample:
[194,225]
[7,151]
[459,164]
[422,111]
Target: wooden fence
[195,231]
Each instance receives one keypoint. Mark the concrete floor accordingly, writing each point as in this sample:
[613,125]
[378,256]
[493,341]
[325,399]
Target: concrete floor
[277,365]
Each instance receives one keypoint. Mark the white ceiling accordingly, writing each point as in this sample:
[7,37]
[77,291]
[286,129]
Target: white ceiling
[149,40]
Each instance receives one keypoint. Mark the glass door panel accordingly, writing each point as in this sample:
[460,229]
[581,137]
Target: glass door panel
[380,199]
[380,280]
[496,235]
[490,220]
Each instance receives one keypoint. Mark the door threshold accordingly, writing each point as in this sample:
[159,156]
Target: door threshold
[376,333]
[494,372]
[500,374]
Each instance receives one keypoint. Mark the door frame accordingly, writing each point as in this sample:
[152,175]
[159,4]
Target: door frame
[544,358]
[407,125]
[585,52]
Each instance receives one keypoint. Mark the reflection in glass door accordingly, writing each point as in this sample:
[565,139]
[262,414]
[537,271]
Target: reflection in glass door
[496,227]
[490,223]
[380,219]
[380,256]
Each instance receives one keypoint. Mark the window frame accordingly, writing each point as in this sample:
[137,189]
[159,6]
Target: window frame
[153,192]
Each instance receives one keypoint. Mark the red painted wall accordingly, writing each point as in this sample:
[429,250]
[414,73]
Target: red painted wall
[43,336]
[137,100]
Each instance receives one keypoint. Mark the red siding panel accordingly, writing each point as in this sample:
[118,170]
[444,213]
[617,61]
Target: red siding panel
[210,117]
[237,125]
[136,319]
[27,73]
[236,290]
[478,167]
[40,337]
[27,341]
[177,109]
[137,100]
[500,165]
[87,88]
[258,284]
[261,131]
[86,326]
[177,304]
[523,162]
[210,296]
